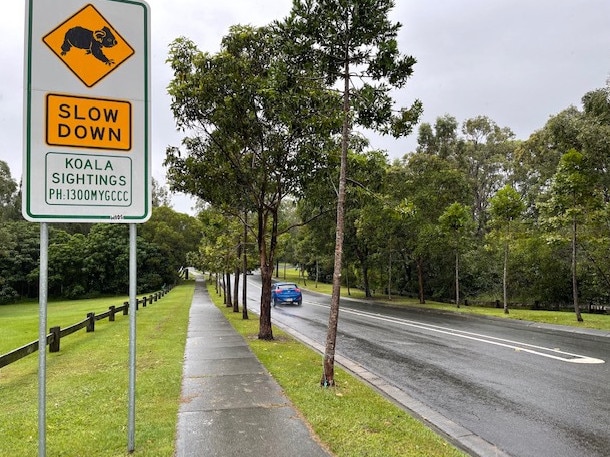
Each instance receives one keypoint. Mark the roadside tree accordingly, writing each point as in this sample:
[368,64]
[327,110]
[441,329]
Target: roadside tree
[506,208]
[456,222]
[569,202]
[260,132]
[352,42]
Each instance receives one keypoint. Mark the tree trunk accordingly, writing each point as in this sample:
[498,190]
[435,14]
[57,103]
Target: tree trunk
[228,299]
[420,281]
[244,294]
[328,375]
[574,279]
[224,288]
[457,278]
[236,291]
[365,280]
[390,278]
[349,292]
[505,278]
[265,330]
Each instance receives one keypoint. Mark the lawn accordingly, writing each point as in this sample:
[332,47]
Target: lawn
[87,398]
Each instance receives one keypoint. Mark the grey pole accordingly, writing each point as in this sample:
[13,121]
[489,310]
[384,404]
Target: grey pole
[131,429]
[42,339]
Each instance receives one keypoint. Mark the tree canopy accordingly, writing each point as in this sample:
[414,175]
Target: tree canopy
[261,131]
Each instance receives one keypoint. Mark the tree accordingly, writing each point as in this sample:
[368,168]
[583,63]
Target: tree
[443,141]
[160,195]
[419,190]
[506,207]
[67,254]
[107,258]
[456,221]
[174,235]
[537,158]
[8,194]
[569,199]
[363,204]
[261,132]
[345,40]
[484,158]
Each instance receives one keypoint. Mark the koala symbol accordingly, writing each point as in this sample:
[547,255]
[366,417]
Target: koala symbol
[92,42]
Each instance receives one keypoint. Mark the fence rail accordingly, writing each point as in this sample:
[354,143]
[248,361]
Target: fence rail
[57,333]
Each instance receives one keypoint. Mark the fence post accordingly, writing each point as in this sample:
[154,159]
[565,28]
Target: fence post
[111,315]
[150,299]
[55,337]
[144,301]
[125,308]
[91,323]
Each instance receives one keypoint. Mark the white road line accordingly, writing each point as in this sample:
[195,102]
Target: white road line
[551,353]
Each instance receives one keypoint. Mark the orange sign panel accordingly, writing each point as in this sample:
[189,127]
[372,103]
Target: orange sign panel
[88,122]
[88,45]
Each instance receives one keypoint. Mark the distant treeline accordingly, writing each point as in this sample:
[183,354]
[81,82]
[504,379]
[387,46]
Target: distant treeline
[93,259]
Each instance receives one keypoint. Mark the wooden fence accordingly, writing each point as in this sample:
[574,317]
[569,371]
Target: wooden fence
[57,333]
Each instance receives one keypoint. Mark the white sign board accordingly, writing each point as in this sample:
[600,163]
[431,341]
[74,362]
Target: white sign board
[87,111]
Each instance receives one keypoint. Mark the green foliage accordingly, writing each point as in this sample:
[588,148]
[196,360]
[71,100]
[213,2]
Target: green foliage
[456,220]
[174,235]
[347,40]
[8,194]
[263,129]
[96,262]
[262,126]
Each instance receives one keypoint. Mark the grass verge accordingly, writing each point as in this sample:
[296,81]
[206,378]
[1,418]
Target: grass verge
[568,318]
[87,380]
[352,419]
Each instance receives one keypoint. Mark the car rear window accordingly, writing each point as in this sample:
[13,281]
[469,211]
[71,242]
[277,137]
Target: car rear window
[287,286]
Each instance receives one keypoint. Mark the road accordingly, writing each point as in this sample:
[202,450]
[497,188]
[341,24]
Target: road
[530,390]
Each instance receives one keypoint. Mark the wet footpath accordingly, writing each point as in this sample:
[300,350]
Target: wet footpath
[230,405]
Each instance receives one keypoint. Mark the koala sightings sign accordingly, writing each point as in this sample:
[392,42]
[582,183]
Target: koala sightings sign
[87,116]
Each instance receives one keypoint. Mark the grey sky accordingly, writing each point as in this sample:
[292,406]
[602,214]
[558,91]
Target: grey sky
[516,61]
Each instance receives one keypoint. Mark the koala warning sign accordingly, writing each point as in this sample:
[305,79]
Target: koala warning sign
[88,45]
[87,111]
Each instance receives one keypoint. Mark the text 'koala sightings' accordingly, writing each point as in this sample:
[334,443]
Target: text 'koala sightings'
[92,42]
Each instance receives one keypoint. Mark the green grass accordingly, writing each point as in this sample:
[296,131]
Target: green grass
[87,380]
[568,318]
[351,419]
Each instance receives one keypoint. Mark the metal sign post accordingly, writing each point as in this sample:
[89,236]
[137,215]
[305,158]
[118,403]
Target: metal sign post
[42,339]
[133,265]
[86,135]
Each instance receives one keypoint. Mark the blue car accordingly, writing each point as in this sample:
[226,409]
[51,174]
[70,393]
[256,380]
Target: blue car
[286,292]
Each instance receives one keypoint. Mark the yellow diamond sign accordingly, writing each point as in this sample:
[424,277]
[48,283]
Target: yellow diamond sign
[88,45]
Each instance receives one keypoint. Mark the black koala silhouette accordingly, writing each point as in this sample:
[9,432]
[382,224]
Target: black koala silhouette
[91,41]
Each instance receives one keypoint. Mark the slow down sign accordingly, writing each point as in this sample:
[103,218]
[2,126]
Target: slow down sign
[88,122]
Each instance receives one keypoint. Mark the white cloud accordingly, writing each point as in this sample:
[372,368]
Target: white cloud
[516,61]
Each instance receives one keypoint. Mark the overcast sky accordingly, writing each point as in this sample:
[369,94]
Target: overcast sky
[516,61]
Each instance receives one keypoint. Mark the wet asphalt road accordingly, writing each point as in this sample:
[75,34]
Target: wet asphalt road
[532,392]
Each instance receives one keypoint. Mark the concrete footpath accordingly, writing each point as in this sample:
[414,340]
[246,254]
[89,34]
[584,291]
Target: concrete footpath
[230,405]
